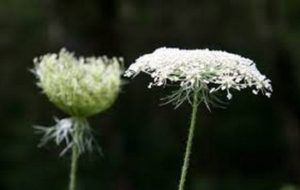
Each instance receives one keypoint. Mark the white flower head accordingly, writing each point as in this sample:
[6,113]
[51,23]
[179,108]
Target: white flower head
[79,86]
[203,70]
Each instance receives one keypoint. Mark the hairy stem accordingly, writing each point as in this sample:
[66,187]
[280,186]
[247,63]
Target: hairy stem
[189,143]
[75,155]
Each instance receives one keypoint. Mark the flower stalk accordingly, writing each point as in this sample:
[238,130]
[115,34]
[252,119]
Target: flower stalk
[188,149]
[73,171]
[79,124]
[75,156]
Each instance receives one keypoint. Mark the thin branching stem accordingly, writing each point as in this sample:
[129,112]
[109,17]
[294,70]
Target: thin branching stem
[189,143]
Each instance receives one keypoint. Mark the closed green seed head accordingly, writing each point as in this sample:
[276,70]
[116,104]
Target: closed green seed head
[80,86]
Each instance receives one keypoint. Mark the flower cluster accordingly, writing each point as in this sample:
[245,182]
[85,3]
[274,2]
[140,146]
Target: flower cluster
[206,70]
[79,86]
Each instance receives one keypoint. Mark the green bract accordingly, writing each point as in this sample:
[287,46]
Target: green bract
[80,86]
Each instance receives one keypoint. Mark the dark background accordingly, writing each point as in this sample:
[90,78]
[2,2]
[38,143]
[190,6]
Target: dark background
[253,144]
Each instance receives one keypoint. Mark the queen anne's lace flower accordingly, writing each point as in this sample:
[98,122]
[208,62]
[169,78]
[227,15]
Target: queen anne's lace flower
[206,70]
[81,87]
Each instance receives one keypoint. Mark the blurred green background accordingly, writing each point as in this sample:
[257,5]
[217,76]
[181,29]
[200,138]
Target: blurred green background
[253,144]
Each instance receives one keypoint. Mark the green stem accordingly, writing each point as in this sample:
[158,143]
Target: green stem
[75,156]
[189,143]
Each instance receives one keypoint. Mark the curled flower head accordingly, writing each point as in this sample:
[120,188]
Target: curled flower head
[203,70]
[80,86]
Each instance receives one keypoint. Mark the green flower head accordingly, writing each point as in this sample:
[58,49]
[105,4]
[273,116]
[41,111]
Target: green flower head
[80,86]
